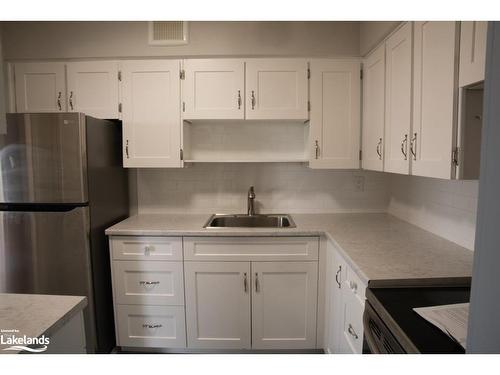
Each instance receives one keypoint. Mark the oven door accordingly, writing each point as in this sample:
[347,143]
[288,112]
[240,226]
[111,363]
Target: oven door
[379,339]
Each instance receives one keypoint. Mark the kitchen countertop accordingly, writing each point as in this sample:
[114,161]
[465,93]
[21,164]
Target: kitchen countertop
[35,315]
[379,247]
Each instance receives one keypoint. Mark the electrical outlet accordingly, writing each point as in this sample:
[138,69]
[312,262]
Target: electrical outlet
[359,183]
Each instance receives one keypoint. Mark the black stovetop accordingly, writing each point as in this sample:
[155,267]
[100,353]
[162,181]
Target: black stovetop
[395,307]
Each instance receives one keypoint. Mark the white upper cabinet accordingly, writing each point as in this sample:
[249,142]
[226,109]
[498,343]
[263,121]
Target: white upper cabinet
[284,298]
[374,110]
[276,89]
[40,87]
[150,92]
[435,98]
[335,114]
[218,304]
[472,52]
[93,88]
[398,95]
[214,89]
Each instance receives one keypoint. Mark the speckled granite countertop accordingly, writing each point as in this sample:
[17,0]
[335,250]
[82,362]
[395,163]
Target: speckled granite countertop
[35,315]
[380,247]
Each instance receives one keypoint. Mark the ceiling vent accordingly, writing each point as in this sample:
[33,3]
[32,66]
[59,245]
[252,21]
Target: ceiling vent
[168,33]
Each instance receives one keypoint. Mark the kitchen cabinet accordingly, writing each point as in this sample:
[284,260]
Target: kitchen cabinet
[92,88]
[335,114]
[344,305]
[335,271]
[218,305]
[148,282]
[284,300]
[435,99]
[40,87]
[150,326]
[472,52]
[373,110]
[276,89]
[148,291]
[150,94]
[214,89]
[398,99]
[258,293]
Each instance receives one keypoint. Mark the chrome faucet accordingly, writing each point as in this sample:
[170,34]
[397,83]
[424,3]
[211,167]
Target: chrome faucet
[250,200]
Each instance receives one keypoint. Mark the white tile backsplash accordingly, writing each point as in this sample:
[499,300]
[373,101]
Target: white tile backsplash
[280,187]
[446,208]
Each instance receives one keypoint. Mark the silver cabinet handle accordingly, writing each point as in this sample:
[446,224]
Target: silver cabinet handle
[126,148]
[379,149]
[353,285]
[147,248]
[352,332]
[149,282]
[245,282]
[316,149]
[253,99]
[71,100]
[413,146]
[337,276]
[404,146]
[152,326]
[239,99]
[257,285]
[59,101]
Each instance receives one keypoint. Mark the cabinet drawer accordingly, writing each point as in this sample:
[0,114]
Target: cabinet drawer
[353,323]
[153,283]
[146,248]
[151,326]
[354,285]
[250,248]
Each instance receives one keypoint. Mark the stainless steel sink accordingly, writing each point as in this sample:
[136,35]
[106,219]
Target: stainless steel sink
[250,221]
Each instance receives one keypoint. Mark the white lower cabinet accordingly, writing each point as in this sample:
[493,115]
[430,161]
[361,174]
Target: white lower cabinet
[148,291]
[221,293]
[344,306]
[218,304]
[148,282]
[284,300]
[150,326]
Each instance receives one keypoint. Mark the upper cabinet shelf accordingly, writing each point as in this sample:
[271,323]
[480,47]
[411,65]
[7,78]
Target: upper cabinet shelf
[253,89]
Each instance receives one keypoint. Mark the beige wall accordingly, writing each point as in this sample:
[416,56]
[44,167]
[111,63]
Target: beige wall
[47,40]
[373,32]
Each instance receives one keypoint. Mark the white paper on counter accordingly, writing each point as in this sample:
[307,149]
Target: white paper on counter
[451,319]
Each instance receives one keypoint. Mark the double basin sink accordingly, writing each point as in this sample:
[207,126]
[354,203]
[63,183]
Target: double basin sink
[250,221]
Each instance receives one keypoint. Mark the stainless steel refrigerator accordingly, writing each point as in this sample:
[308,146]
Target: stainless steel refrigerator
[61,185]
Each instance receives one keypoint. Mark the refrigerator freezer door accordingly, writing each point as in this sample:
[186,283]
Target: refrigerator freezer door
[48,253]
[43,159]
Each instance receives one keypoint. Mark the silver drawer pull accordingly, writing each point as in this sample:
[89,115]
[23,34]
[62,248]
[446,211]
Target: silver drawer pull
[148,249]
[353,285]
[352,332]
[149,282]
[151,326]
